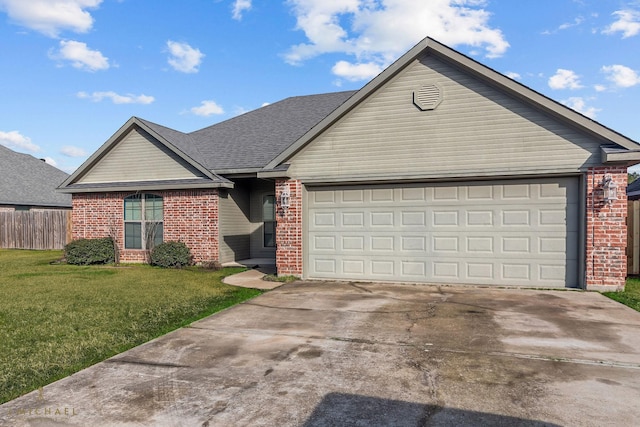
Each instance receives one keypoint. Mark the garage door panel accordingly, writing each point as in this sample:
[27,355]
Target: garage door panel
[502,232]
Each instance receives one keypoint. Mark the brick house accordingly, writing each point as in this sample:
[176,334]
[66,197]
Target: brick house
[438,170]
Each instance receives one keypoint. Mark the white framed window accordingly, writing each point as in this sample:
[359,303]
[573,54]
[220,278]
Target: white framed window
[269,221]
[143,221]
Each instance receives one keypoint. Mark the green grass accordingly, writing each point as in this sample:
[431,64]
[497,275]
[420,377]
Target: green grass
[56,319]
[631,295]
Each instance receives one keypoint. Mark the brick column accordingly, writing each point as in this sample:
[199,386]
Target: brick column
[289,229]
[606,260]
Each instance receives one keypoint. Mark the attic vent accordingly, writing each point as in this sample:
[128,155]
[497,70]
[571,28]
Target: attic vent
[427,97]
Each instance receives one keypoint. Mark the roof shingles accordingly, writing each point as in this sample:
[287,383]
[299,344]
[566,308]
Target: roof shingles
[28,181]
[252,140]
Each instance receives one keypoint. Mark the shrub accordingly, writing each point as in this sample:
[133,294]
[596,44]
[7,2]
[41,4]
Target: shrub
[90,251]
[211,265]
[171,255]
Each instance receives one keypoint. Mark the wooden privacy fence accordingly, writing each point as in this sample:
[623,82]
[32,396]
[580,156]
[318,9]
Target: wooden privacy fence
[46,229]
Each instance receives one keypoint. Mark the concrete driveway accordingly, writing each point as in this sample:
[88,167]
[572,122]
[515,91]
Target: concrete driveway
[339,354]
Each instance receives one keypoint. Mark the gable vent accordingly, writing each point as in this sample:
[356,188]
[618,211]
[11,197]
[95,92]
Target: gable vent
[427,97]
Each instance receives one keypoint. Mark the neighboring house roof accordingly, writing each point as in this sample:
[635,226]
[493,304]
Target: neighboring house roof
[633,189]
[28,181]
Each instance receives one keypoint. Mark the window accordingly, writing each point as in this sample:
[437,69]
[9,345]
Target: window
[143,221]
[269,221]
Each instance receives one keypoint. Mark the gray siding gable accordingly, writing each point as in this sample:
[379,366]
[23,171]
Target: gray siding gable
[476,130]
[26,180]
[562,115]
[141,154]
[139,157]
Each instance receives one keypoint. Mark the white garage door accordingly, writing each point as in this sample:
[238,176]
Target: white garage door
[520,232]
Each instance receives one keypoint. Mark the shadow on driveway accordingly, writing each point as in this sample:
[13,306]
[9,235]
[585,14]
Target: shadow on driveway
[339,409]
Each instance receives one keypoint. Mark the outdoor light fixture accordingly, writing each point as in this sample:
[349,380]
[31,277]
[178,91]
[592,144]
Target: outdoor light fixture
[609,189]
[284,199]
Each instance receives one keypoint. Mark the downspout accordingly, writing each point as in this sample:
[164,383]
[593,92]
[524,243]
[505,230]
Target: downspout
[593,227]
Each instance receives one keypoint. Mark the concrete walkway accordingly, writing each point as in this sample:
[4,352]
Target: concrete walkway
[315,354]
[251,279]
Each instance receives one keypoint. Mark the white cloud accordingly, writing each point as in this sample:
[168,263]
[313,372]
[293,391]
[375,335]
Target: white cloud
[51,161]
[207,108]
[116,98]
[580,105]
[15,140]
[628,23]
[564,79]
[183,57]
[50,17]
[621,76]
[355,72]
[81,56]
[577,21]
[513,75]
[378,32]
[239,7]
[71,151]
[600,88]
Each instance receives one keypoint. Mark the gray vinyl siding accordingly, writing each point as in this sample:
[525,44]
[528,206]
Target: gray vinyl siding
[234,212]
[475,130]
[258,191]
[138,157]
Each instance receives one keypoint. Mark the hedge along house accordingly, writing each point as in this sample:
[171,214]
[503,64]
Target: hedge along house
[438,170]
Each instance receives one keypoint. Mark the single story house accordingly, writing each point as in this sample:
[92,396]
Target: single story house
[28,183]
[440,169]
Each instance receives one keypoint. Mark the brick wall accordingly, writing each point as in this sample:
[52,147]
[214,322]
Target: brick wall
[189,216]
[606,234]
[192,217]
[289,229]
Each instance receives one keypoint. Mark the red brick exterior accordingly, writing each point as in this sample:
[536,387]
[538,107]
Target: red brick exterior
[289,229]
[190,216]
[606,234]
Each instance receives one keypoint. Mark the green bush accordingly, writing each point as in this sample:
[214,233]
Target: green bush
[90,251]
[171,255]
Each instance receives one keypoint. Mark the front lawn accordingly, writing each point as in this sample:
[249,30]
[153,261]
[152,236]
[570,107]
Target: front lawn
[58,319]
[630,296]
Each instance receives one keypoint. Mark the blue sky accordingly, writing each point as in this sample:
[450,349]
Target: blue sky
[73,71]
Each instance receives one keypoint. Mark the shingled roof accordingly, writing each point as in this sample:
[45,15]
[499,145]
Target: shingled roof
[253,139]
[28,181]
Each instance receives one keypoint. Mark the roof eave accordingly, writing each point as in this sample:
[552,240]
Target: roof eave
[142,186]
[35,204]
[613,155]
[281,171]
